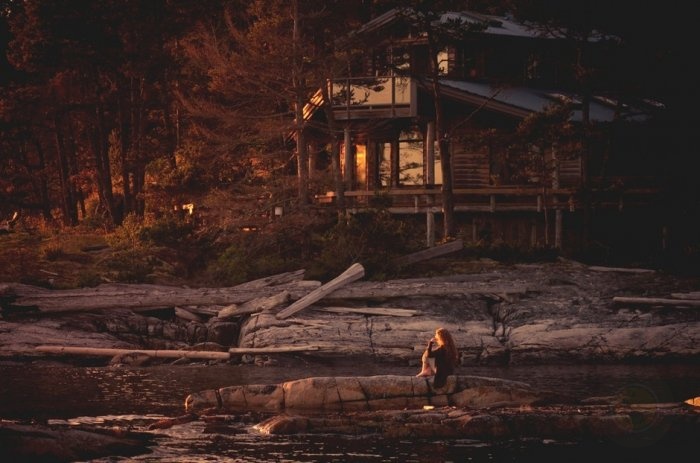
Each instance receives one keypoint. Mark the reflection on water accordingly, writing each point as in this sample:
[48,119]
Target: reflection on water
[60,391]
[134,398]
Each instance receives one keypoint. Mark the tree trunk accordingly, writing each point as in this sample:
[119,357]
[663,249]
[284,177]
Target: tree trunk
[443,143]
[70,213]
[43,183]
[300,96]
[104,175]
[338,184]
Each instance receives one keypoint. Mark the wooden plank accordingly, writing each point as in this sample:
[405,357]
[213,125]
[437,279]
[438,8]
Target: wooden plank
[354,272]
[425,254]
[383,311]
[657,301]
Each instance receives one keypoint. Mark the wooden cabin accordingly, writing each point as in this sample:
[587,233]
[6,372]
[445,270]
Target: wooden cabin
[528,151]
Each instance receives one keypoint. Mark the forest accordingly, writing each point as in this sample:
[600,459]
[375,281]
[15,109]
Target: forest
[164,128]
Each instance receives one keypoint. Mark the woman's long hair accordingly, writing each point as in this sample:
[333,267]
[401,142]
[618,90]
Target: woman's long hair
[449,343]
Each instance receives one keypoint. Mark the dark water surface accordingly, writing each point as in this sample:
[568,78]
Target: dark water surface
[136,397]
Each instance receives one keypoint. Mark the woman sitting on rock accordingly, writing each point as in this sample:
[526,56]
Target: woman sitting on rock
[441,361]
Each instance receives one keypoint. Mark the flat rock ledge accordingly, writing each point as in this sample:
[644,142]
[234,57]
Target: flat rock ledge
[637,425]
[56,444]
[467,407]
[367,393]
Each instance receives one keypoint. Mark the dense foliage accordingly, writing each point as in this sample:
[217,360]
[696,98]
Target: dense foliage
[120,113]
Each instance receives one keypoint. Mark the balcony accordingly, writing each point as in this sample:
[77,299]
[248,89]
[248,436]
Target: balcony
[492,199]
[373,97]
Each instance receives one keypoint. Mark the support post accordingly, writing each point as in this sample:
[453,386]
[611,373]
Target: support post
[395,164]
[430,180]
[557,209]
[349,164]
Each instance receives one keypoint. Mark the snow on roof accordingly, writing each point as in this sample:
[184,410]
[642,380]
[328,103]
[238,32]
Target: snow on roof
[495,25]
[536,100]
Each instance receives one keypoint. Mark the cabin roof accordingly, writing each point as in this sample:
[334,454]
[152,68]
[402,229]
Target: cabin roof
[494,25]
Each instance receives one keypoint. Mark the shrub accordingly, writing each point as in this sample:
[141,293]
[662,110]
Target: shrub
[127,235]
[167,231]
[130,266]
[53,252]
[88,279]
[230,268]
[373,239]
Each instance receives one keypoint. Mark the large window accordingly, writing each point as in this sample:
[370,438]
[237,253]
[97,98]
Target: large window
[359,175]
[411,161]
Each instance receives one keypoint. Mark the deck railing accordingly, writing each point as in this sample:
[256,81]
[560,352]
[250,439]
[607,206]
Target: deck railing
[491,199]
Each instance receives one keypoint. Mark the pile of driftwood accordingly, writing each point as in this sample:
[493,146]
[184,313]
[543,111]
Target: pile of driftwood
[282,295]
[287,293]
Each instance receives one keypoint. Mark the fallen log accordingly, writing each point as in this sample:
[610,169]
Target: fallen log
[385,311]
[187,315]
[656,301]
[354,272]
[597,268]
[273,280]
[191,354]
[140,299]
[205,311]
[693,295]
[99,351]
[259,304]
[407,288]
[272,350]
[425,254]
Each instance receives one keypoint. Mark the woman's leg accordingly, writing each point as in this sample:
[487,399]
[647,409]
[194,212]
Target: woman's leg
[427,365]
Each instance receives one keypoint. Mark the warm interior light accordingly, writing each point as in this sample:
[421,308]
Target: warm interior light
[695,401]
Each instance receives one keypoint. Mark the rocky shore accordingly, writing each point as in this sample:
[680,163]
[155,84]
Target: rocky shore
[560,312]
[550,313]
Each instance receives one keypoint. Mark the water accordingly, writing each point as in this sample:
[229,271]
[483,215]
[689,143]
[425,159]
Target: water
[135,398]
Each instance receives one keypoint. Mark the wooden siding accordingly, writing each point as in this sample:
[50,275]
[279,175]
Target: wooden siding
[570,172]
[470,170]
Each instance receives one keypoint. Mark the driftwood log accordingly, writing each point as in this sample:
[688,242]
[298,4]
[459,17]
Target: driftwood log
[143,298]
[259,304]
[426,254]
[146,297]
[191,354]
[657,301]
[597,268]
[353,273]
[382,311]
